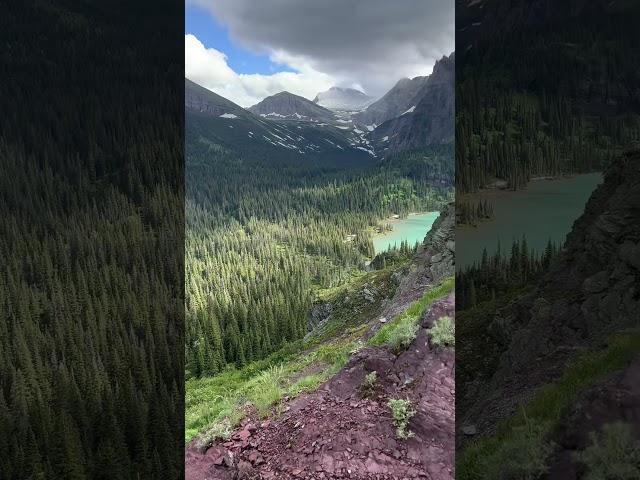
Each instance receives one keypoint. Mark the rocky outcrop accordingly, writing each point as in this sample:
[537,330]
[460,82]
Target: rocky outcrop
[592,290]
[441,240]
[338,432]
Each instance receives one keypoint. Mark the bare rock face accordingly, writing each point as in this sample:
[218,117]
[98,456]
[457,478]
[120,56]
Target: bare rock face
[319,314]
[592,291]
[430,121]
[441,241]
[394,103]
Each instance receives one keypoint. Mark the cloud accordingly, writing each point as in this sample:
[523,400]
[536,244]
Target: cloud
[372,43]
[209,68]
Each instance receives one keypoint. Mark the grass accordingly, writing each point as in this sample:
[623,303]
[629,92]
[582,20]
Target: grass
[411,316]
[401,337]
[548,404]
[214,405]
[443,332]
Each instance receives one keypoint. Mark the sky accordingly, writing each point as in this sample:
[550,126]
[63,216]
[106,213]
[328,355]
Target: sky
[246,50]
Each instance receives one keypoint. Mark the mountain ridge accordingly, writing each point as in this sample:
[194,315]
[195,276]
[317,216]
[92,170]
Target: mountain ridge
[429,121]
[286,105]
[397,100]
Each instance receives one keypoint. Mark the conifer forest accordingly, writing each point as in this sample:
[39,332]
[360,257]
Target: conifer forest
[264,233]
[91,291]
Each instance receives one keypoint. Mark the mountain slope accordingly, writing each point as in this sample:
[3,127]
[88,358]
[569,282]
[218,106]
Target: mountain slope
[396,101]
[590,294]
[213,118]
[341,428]
[287,106]
[337,98]
[199,99]
[429,121]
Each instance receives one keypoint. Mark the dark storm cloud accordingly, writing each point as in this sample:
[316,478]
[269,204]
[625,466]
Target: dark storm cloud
[369,42]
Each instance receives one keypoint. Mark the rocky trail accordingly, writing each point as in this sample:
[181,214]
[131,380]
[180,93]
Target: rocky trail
[340,432]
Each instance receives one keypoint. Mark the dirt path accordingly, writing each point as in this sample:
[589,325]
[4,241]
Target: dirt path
[335,433]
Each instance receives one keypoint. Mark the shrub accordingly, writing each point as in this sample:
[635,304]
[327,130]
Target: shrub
[402,412]
[523,456]
[357,346]
[404,333]
[443,332]
[369,383]
[220,430]
[271,376]
[614,454]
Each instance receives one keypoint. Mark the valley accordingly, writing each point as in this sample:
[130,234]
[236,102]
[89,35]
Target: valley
[286,281]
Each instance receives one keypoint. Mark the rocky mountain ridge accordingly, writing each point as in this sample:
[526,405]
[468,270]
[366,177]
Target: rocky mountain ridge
[430,121]
[222,121]
[287,106]
[414,114]
[394,103]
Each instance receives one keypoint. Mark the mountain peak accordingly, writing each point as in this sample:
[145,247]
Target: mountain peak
[343,98]
[288,106]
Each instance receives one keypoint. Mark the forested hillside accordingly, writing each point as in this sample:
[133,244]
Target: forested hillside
[543,88]
[265,231]
[91,334]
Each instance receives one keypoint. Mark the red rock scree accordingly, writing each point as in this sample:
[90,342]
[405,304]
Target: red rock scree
[335,433]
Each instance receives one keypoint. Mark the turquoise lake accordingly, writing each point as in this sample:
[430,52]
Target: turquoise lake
[545,210]
[413,229]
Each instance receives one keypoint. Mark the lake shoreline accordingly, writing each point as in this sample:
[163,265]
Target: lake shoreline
[392,220]
[489,193]
[544,211]
[411,228]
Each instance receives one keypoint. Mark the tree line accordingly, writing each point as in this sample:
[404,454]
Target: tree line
[521,113]
[503,272]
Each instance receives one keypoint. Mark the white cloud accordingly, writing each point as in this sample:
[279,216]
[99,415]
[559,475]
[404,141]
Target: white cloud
[209,68]
[372,43]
